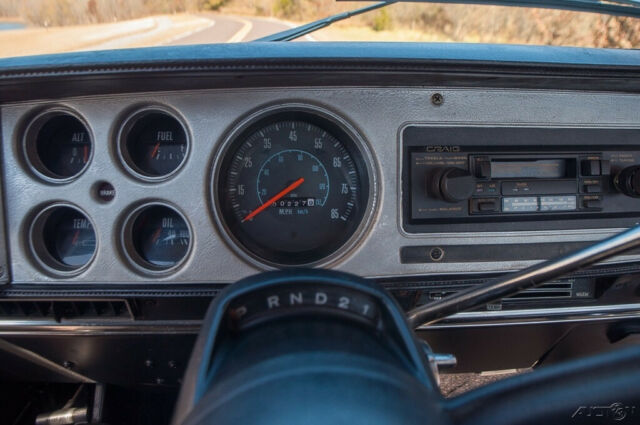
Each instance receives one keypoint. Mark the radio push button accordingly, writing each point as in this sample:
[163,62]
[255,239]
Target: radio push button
[520,204]
[591,186]
[592,203]
[483,168]
[595,167]
[590,167]
[558,203]
[485,205]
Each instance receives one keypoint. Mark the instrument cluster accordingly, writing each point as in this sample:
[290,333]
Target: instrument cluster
[152,145]
[290,186]
[210,186]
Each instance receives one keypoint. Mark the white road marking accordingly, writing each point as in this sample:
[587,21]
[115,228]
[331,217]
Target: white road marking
[243,32]
[160,24]
[187,34]
[118,41]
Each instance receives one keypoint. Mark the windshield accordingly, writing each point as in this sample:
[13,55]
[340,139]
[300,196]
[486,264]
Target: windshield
[29,27]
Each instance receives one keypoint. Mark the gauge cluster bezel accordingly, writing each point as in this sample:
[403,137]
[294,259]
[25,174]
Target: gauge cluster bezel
[361,148]
[123,239]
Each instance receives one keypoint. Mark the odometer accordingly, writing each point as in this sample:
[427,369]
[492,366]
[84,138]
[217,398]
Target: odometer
[292,188]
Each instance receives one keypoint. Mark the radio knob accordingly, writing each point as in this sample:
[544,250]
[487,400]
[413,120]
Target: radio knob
[627,181]
[453,184]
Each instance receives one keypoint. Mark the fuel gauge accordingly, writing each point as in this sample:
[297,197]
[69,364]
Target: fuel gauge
[153,144]
[157,238]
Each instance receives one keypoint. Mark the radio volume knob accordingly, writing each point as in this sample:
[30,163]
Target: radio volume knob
[452,184]
[627,181]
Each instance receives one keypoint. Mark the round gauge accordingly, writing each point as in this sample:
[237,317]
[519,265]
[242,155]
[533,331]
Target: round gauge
[153,144]
[58,146]
[293,187]
[158,237]
[63,238]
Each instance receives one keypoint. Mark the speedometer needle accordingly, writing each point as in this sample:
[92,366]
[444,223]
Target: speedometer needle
[279,195]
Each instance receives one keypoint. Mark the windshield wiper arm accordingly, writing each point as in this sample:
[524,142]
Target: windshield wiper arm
[305,29]
[629,8]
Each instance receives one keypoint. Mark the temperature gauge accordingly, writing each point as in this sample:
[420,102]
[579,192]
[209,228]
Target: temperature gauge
[159,237]
[153,144]
[63,238]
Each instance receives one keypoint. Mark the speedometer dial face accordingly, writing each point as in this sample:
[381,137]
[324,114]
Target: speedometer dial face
[293,188]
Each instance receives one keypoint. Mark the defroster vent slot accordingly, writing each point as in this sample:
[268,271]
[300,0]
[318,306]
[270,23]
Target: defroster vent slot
[66,309]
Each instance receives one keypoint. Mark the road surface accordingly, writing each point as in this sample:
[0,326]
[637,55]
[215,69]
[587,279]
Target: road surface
[161,30]
[231,29]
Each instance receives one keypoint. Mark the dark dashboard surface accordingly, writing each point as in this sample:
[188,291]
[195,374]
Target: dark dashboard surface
[364,63]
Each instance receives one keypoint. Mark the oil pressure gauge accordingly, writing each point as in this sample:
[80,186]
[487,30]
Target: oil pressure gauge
[153,144]
[156,238]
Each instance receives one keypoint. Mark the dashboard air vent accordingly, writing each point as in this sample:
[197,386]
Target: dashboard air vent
[65,310]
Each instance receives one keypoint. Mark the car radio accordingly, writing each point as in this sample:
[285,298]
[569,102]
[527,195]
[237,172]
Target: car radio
[519,178]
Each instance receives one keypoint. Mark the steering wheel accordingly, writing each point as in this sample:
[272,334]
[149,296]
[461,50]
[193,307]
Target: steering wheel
[318,347]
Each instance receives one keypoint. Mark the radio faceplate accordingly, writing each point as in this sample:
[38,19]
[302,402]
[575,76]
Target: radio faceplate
[519,178]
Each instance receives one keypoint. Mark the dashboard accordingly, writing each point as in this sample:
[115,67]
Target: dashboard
[59,209]
[142,186]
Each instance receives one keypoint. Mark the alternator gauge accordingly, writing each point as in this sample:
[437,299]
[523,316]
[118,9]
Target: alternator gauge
[58,146]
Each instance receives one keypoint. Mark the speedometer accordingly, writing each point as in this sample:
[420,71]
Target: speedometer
[293,187]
